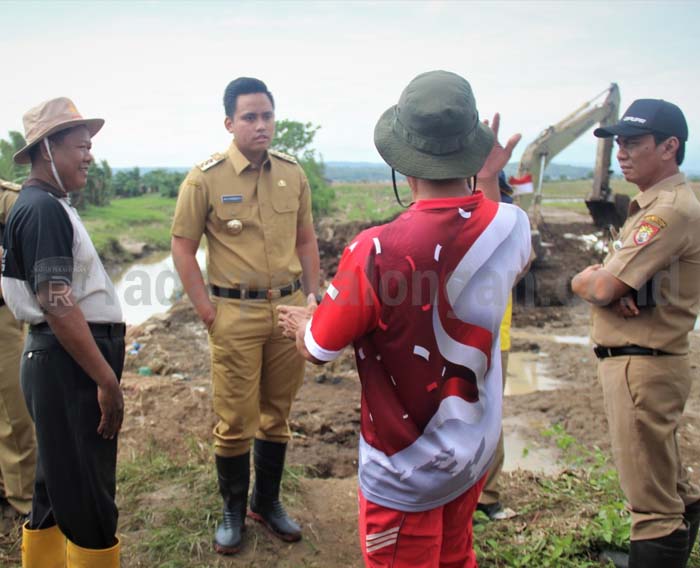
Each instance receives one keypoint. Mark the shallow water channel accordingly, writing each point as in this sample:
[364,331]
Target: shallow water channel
[148,287]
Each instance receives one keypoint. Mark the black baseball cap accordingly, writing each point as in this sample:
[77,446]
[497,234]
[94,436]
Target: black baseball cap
[648,116]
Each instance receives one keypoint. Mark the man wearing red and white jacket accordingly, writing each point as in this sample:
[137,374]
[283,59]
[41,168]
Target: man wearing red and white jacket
[421,299]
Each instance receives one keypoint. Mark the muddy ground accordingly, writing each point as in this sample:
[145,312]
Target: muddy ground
[171,410]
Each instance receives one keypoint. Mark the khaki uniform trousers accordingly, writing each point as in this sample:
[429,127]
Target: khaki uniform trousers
[256,373]
[17,442]
[491,493]
[644,401]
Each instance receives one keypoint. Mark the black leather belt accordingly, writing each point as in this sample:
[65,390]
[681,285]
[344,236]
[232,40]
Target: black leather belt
[255,294]
[115,330]
[603,352]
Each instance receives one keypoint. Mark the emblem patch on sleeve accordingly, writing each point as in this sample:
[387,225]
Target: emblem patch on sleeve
[645,233]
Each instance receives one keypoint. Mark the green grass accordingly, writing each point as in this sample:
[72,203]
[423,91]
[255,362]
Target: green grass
[577,192]
[142,219]
[545,533]
[367,201]
[376,201]
[581,188]
[170,506]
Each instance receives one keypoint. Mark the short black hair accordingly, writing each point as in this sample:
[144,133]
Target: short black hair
[243,86]
[680,153]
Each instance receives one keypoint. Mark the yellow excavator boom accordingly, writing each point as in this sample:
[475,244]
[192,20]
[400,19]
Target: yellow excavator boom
[556,138]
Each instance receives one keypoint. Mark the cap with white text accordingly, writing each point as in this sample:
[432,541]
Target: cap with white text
[648,116]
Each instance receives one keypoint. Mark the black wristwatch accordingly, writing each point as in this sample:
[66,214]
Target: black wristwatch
[318,297]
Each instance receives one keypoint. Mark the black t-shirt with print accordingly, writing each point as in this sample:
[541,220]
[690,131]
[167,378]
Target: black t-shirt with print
[38,240]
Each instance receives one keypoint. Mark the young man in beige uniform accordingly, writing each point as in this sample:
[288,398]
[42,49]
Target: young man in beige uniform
[645,300]
[17,443]
[254,206]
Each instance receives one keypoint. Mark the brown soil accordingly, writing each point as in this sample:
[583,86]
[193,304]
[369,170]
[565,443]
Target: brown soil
[173,407]
[325,417]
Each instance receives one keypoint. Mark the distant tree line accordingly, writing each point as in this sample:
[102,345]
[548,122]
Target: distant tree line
[9,171]
[131,183]
[295,138]
[98,190]
[102,183]
[292,137]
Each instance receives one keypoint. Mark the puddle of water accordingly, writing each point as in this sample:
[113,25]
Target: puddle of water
[527,372]
[146,288]
[522,453]
[584,340]
[573,339]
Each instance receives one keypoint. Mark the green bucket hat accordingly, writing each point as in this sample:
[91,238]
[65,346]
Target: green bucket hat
[434,132]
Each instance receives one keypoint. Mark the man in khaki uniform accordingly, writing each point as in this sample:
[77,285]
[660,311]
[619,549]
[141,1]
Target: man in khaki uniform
[490,498]
[254,206]
[645,300]
[17,443]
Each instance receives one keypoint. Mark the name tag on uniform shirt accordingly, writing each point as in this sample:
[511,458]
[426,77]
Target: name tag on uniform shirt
[231,198]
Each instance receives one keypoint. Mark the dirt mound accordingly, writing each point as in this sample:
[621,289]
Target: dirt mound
[175,343]
[332,239]
[171,411]
[569,248]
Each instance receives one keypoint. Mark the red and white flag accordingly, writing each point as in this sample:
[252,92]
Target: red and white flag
[521,185]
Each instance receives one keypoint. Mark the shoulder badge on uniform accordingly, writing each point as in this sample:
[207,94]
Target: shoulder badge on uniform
[9,185]
[211,161]
[283,156]
[655,220]
[645,233]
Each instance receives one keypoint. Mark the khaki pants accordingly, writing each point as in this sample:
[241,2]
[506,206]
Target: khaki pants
[644,401]
[17,444]
[491,493]
[256,373]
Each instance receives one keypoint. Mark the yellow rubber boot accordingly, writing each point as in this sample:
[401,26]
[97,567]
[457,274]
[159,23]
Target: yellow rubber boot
[78,557]
[43,548]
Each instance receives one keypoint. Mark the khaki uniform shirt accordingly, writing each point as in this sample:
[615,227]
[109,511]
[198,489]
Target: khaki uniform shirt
[9,192]
[249,215]
[660,241]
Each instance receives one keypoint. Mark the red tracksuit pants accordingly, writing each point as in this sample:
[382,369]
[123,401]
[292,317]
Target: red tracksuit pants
[438,538]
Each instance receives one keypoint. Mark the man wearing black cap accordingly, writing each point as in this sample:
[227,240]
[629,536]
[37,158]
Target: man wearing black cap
[421,299]
[645,299]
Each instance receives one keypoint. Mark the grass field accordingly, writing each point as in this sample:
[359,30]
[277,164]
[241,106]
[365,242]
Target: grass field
[376,202]
[147,218]
[142,219]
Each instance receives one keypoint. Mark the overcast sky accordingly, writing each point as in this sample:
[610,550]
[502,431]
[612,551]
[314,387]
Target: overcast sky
[156,71]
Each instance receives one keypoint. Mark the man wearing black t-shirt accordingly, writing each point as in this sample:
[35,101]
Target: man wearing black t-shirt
[53,279]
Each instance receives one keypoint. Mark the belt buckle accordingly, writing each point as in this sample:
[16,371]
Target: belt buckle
[603,352]
[274,294]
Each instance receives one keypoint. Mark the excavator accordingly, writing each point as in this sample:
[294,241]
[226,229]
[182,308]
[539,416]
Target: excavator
[605,207]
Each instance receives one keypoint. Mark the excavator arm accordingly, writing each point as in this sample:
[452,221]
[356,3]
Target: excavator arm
[556,138]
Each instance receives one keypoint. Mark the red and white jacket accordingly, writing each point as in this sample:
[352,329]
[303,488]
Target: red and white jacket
[421,299]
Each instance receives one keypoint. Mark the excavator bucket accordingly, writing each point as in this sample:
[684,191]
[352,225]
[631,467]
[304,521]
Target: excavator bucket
[606,213]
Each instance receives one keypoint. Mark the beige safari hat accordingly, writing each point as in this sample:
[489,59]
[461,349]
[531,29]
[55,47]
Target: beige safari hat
[48,118]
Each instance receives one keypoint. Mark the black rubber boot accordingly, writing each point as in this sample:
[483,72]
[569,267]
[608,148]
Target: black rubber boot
[669,551]
[265,504]
[692,518]
[234,477]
